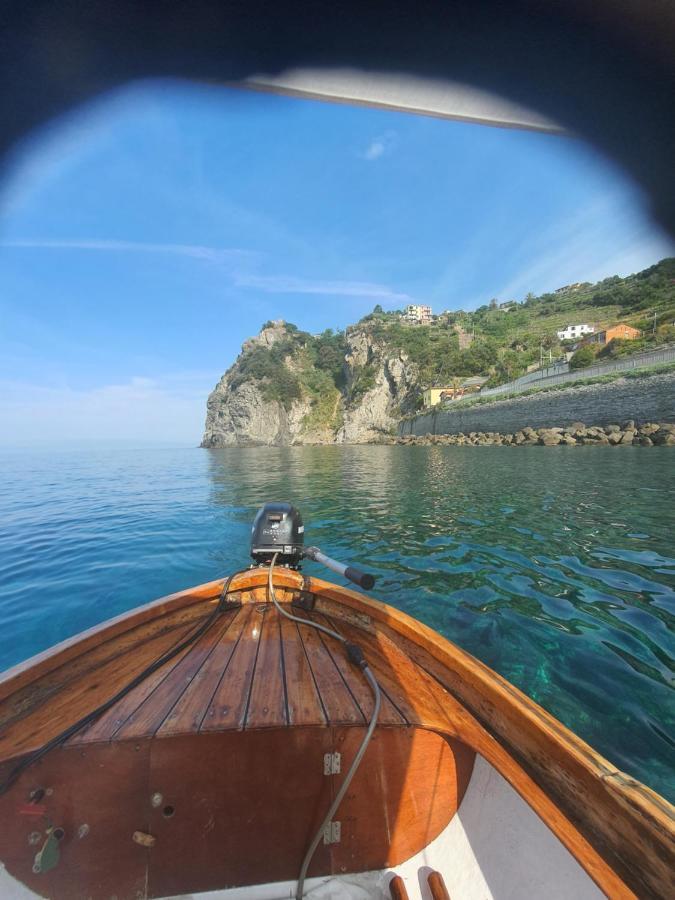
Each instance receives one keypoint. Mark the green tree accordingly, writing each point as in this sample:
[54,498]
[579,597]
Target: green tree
[582,358]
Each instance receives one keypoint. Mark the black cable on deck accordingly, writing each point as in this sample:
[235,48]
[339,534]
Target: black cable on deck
[90,717]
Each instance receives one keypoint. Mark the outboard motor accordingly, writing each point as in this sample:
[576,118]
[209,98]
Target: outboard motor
[278,528]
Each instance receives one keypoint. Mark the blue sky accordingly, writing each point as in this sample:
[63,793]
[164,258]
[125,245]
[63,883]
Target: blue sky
[145,237]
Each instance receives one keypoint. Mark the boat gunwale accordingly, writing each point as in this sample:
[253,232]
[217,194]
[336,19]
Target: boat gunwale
[22,674]
[579,763]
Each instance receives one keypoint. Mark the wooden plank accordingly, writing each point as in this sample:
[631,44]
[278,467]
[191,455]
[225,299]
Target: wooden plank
[192,603]
[338,703]
[228,706]
[232,808]
[39,691]
[188,713]
[80,698]
[355,681]
[411,690]
[304,705]
[104,728]
[148,717]
[197,601]
[267,703]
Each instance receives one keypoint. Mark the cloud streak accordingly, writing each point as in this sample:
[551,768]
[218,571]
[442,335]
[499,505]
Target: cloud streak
[194,251]
[283,284]
[236,257]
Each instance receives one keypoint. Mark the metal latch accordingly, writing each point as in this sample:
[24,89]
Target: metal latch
[331,763]
[331,833]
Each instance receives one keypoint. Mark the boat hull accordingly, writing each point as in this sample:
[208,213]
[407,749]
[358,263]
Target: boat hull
[210,773]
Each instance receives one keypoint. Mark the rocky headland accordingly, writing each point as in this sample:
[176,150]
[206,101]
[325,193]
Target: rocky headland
[288,387]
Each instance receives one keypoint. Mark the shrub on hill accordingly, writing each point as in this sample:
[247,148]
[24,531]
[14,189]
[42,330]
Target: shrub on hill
[582,358]
[318,365]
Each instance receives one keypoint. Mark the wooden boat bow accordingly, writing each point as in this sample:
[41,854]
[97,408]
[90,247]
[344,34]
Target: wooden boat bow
[219,754]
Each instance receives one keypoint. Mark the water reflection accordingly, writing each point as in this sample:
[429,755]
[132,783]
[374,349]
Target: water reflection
[553,567]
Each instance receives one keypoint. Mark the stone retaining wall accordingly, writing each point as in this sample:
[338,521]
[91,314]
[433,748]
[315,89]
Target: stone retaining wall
[649,399]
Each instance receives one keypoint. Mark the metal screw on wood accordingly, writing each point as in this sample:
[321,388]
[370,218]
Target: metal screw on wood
[83,831]
[156,800]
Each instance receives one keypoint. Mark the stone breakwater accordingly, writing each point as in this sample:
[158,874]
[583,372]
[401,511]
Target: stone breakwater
[649,399]
[648,435]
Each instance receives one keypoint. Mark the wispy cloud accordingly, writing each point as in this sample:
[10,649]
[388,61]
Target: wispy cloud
[583,248]
[379,146]
[238,259]
[239,262]
[283,284]
[195,251]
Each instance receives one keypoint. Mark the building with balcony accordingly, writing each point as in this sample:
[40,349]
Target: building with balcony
[417,314]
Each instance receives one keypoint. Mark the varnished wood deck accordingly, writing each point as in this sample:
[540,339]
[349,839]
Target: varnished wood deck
[252,669]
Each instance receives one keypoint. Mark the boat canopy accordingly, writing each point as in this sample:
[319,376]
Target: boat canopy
[406,93]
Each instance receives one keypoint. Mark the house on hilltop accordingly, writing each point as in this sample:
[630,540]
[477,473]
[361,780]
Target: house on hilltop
[622,331]
[417,314]
[574,332]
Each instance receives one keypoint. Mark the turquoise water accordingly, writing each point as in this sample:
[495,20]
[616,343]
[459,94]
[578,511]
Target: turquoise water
[553,565]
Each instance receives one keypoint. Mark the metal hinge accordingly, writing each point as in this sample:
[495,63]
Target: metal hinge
[331,833]
[331,763]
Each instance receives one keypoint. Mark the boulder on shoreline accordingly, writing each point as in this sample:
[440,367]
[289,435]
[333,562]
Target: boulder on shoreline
[628,434]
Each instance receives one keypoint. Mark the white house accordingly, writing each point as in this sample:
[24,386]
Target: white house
[573,332]
[418,313]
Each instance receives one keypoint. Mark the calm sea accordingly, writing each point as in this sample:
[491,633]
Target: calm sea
[555,566]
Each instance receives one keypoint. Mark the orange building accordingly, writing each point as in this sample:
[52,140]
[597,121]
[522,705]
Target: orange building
[622,331]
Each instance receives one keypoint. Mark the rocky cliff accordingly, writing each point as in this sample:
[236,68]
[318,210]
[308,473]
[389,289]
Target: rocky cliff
[289,387]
